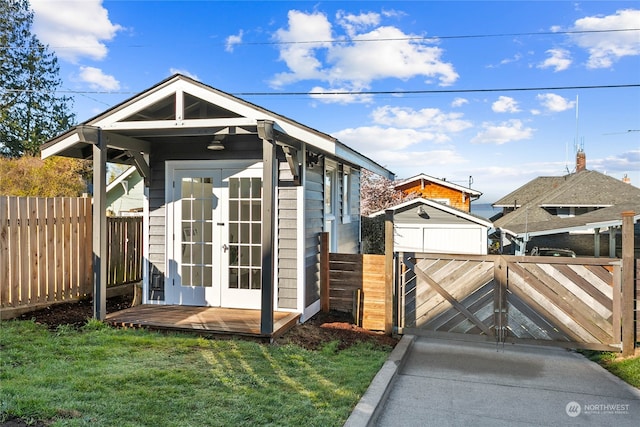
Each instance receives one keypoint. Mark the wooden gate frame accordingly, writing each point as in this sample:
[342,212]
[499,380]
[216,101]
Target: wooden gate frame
[504,294]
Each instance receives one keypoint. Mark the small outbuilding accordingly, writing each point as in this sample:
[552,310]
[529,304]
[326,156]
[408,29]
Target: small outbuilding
[423,225]
[235,197]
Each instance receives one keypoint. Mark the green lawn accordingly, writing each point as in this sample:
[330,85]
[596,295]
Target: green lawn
[101,376]
[627,369]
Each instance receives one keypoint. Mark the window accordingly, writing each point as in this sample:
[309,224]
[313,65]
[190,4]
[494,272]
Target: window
[346,194]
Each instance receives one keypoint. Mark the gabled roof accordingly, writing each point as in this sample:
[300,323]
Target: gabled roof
[182,106]
[582,189]
[442,182]
[433,204]
[530,191]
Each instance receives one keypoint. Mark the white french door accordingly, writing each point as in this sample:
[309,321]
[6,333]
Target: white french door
[214,234]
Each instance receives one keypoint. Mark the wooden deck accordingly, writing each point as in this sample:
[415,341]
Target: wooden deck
[202,320]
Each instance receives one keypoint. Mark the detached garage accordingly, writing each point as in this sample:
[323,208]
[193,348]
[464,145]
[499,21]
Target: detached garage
[422,225]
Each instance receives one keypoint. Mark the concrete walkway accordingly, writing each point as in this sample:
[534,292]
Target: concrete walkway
[437,382]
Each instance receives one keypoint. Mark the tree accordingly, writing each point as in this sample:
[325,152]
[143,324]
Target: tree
[30,110]
[53,177]
[377,193]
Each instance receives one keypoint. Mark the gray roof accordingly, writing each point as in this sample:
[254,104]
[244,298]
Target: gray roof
[582,189]
[530,191]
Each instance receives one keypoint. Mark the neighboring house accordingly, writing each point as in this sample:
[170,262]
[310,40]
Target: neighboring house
[125,194]
[423,225]
[235,196]
[440,190]
[570,211]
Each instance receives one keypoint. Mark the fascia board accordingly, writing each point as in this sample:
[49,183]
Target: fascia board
[352,156]
[61,145]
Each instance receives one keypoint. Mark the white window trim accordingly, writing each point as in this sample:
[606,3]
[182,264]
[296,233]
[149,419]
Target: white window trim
[346,194]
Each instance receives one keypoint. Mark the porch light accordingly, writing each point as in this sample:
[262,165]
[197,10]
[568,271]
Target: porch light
[216,144]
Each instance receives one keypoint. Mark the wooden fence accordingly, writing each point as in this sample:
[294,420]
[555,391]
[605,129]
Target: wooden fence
[124,250]
[46,252]
[570,302]
[45,256]
[354,283]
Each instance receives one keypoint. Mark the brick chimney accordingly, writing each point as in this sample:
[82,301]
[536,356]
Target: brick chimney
[626,179]
[581,160]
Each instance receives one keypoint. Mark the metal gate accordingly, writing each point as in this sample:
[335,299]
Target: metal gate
[570,302]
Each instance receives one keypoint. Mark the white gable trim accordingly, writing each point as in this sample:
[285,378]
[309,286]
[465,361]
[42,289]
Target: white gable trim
[436,205]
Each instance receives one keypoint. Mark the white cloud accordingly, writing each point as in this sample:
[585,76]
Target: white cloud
[619,163]
[505,104]
[74,29]
[559,60]
[426,119]
[298,52]
[97,79]
[398,149]
[233,40]
[509,131]
[554,103]
[355,64]
[327,96]
[355,23]
[184,72]
[369,139]
[459,102]
[608,47]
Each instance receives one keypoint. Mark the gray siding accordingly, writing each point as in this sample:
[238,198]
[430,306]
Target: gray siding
[314,223]
[287,240]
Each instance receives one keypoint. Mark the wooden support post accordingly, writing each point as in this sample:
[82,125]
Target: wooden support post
[325,285]
[500,299]
[99,226]
[616,303]
[269,184]
[627,306]
[612,242]
[596,243]
[388,272]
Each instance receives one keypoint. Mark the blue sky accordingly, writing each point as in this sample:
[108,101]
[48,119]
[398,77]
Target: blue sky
[452,53]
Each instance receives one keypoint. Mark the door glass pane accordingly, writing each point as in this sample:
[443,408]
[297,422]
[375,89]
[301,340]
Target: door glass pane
[245,240]
[256,188]
[234,189]
[197,231]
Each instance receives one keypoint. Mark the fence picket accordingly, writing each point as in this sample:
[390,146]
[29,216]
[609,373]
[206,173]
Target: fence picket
[42,248]
[4,251]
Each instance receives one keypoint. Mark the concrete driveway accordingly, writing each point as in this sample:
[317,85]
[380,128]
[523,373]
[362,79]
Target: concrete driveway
[437,382]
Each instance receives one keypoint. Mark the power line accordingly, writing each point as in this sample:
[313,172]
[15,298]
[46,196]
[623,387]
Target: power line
[373,40]
[418,38]
[435,91]
[355,93]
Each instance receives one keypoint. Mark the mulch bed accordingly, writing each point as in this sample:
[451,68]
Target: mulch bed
[312,335]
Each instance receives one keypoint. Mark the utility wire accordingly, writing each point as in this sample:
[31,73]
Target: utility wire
[370,92]
[418,38]
[363,40]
